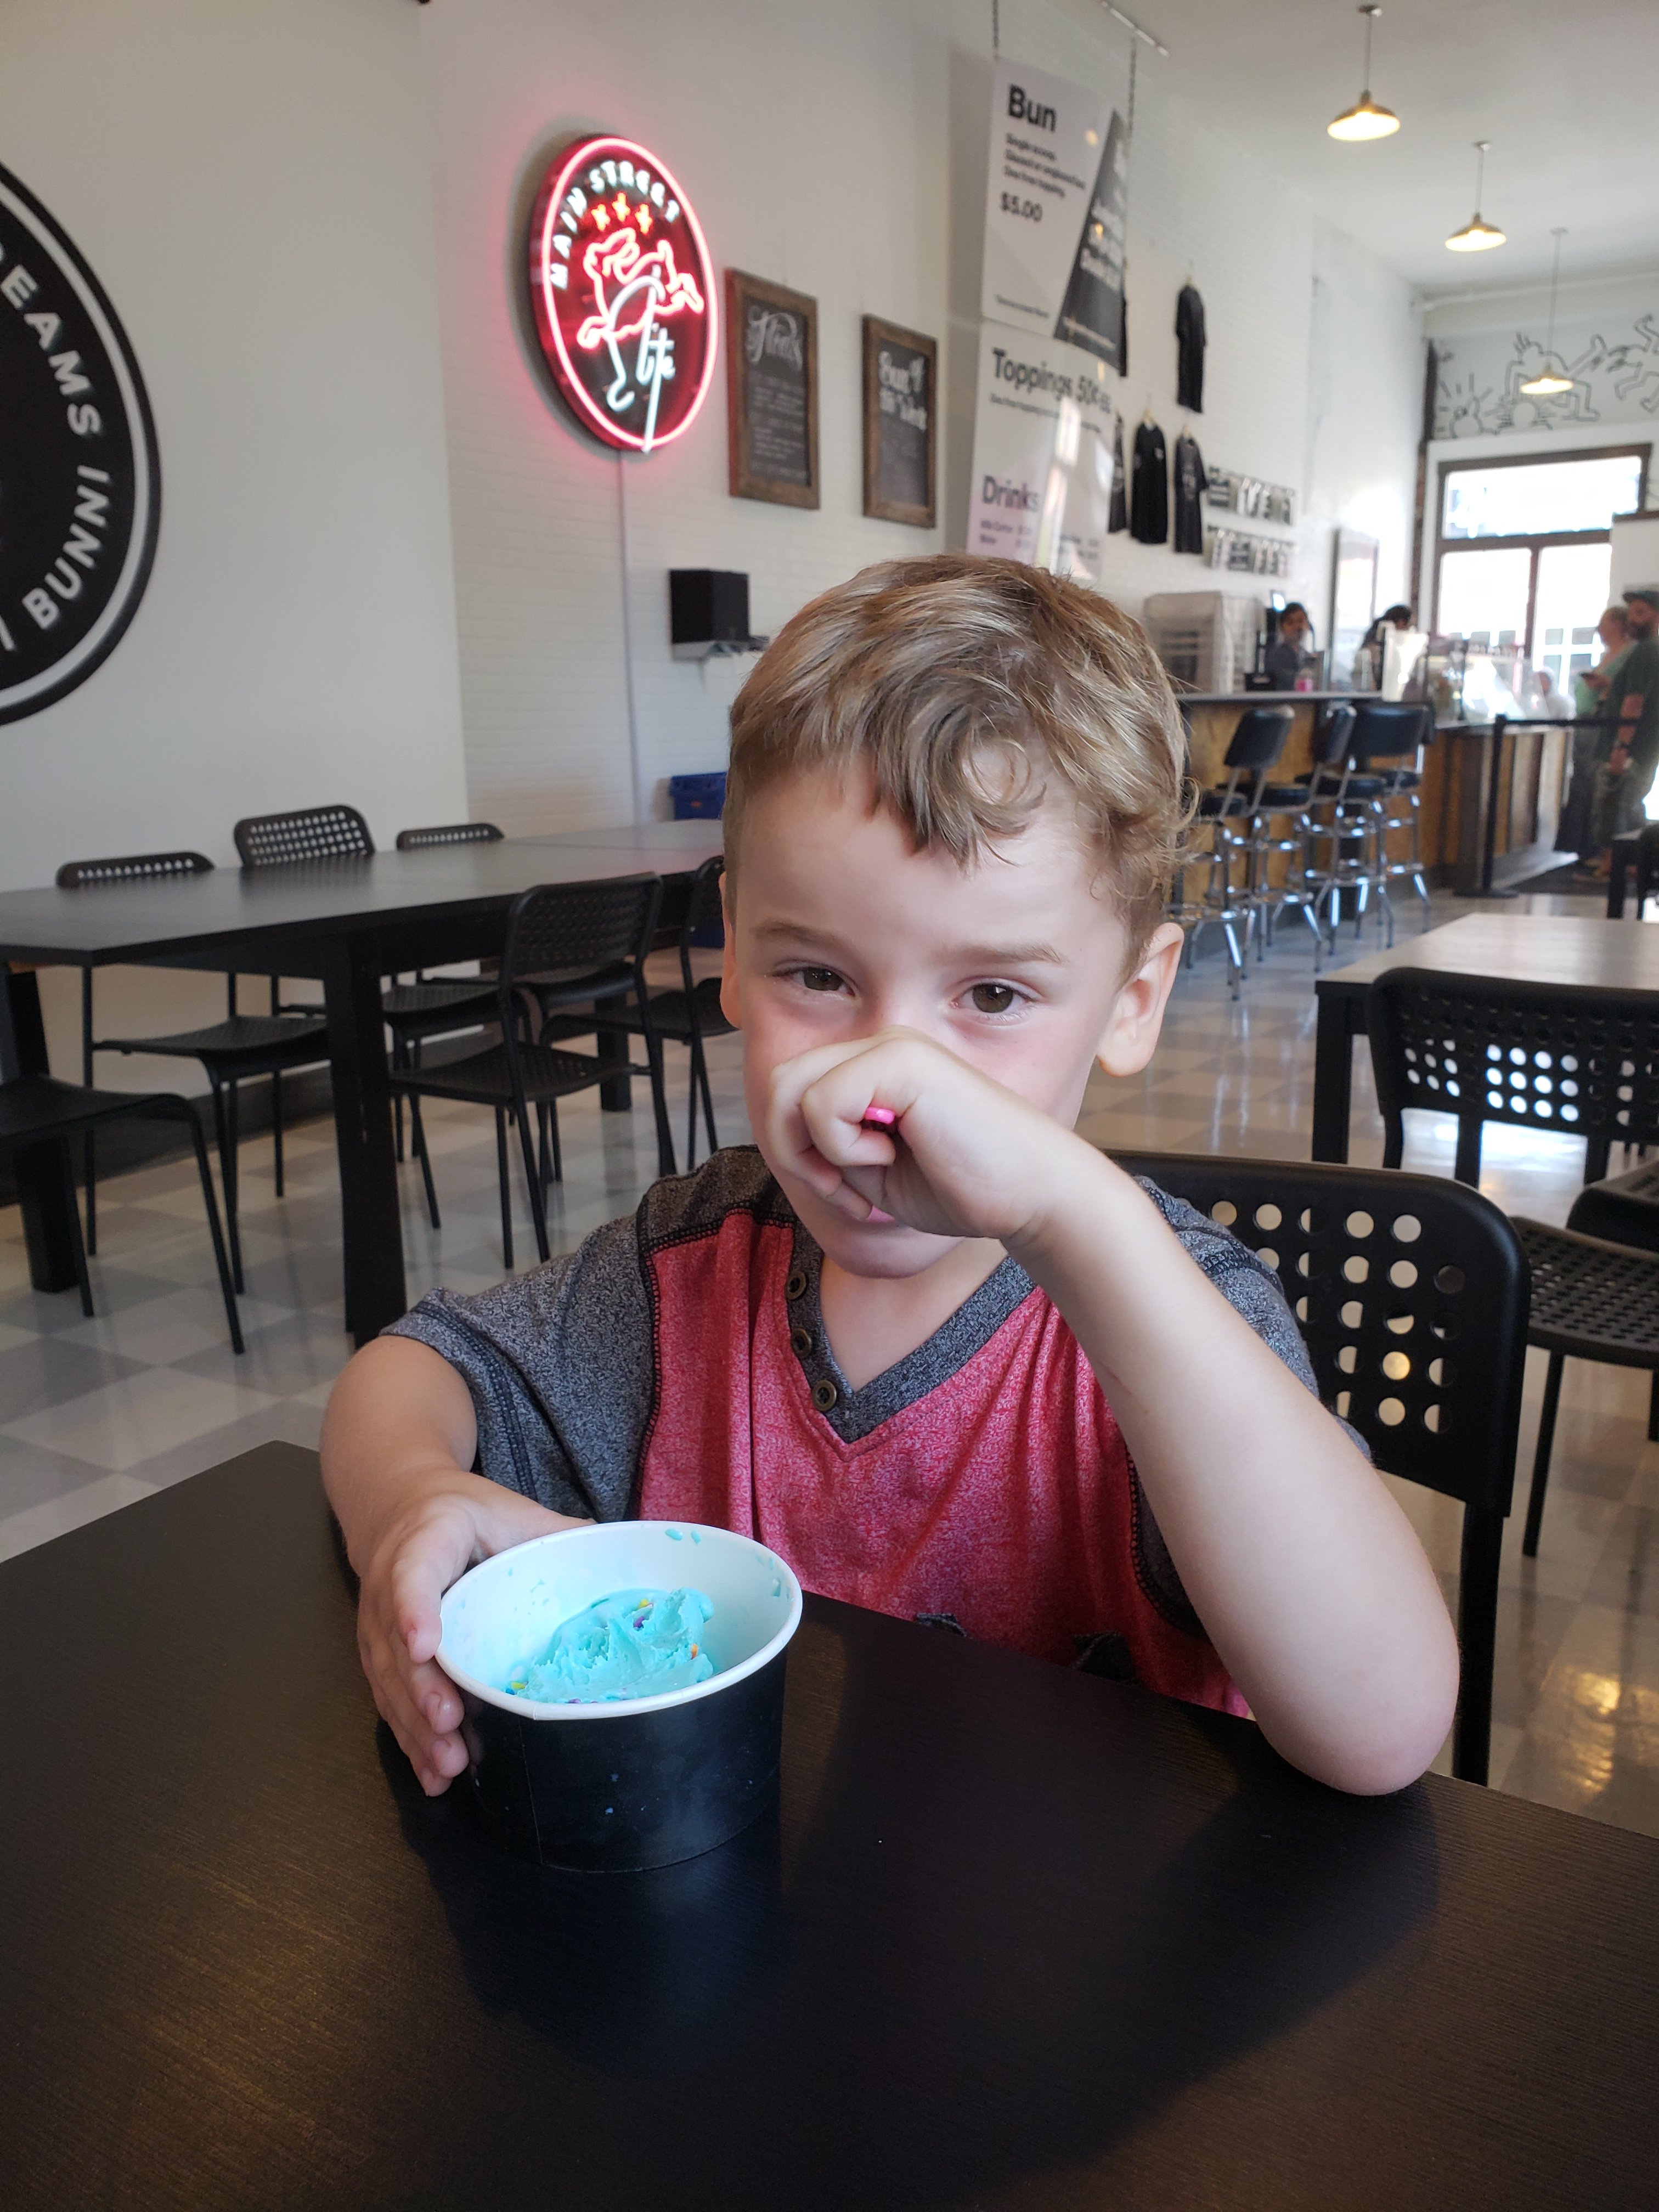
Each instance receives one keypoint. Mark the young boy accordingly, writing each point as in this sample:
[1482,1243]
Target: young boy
[941,1355]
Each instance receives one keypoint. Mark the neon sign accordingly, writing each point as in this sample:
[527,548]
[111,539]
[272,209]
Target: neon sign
[624,291]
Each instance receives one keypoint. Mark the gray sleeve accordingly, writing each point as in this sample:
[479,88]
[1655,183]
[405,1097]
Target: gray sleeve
[561,1366]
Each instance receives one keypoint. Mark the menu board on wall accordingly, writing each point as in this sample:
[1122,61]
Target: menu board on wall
[771,389]
[1054,210]
[901,374]
[1042,456]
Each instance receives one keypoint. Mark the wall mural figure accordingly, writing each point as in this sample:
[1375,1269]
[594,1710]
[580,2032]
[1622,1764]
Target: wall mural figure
[1479,385]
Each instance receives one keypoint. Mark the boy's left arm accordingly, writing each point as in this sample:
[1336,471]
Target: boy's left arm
[1308,1577]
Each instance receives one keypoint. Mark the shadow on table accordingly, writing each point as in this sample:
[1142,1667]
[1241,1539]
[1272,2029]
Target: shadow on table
[1002,1921]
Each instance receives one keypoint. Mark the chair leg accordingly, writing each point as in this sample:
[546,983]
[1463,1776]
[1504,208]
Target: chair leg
[231,1174]
[74,1211]
[1466,1168]
[1394,1138]
[225,1290]
[89,1171]
[553,1132]
[276,1126]
[1477,1629]
[417,1139]
[545,1143]
[507,1193]
[1540,1464]
[708,1100]
[228,1179]
[1653,1408]
[1596,1158]
[691,1107]
[533,1176]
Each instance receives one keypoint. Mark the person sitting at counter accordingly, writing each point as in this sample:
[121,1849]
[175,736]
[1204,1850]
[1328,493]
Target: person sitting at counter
[1289,654]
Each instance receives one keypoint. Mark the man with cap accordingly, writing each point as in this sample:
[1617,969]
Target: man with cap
[1623,781]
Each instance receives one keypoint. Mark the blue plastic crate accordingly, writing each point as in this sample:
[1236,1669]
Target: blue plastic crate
[697,797]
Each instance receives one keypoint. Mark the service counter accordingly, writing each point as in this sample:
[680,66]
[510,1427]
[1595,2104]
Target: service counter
[1463,786]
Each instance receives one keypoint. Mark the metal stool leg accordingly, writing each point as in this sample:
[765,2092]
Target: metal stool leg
[507,1193]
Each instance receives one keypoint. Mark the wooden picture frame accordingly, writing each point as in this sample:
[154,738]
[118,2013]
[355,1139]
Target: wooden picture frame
[772,391]
[900,458]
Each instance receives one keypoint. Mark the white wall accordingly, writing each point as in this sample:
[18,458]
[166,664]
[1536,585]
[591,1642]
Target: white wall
[251,184]
[840,149]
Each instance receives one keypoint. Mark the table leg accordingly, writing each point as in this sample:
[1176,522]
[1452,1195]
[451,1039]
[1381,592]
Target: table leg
[374,1291]
[1618,877]
[45,1194]
[1334,1073]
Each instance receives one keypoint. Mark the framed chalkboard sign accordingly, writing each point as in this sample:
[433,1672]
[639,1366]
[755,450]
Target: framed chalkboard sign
[901,416]
[772,390]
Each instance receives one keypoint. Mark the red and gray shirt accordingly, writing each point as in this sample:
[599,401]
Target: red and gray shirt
[675,1367]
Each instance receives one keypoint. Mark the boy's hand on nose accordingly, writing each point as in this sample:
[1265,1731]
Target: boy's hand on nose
[446,1522]
[963,1157]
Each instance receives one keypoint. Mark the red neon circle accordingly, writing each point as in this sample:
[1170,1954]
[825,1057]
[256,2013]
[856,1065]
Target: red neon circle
[625,307]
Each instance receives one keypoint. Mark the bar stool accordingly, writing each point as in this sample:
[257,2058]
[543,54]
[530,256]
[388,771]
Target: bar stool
[1400,734]
[1232,814]
[1353,798]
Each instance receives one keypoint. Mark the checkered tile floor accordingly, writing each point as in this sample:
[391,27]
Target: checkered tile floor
[96,1414]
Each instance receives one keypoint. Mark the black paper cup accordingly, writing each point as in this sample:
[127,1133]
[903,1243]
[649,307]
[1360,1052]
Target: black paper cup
[613,1787]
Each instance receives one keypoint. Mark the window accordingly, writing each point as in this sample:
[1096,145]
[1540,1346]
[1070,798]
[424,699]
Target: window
[1524,556]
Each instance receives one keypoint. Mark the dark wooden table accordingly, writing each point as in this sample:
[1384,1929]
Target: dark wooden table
[1015,1937]
[1533,948]
[347,923]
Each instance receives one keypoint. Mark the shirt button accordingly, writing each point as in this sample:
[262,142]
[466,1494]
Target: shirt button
[800,1341]
[796,1285]
[825,1396]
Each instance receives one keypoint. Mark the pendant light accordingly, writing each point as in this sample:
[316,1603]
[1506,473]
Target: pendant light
[1477,236]
[1552,378]
[1365,119]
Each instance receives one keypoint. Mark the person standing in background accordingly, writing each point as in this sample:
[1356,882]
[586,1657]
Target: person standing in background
[1290,651]
[1395,617]
[1625,777]
[1590,745]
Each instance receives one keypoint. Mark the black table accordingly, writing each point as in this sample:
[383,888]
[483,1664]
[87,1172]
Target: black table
[1015,1937]
[1620,955]
[346,922]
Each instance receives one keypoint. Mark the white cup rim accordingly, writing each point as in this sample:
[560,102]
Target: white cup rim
[624,1708]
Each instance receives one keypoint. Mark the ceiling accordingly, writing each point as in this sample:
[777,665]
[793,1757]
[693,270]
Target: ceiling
[1566,90]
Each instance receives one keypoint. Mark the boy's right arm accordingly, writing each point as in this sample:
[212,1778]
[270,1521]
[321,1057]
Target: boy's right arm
[399,1437]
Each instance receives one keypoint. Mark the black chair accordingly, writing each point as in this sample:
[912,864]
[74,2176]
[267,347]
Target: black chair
[1387,747]
[451,833]
[1590,1300]
[1573,1058]
[693,1011]
[554,928]
[238,1049]
[1231,814]
[1411,1295]
[38,1111]
[305,833]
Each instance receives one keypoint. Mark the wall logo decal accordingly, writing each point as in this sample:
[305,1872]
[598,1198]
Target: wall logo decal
[80,482]
[624,291]
[1479,391]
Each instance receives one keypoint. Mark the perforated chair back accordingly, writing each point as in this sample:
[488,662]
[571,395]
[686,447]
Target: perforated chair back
[1259,740]
[131,868]
[1412,1296]
[452,833]
[1387,732]
[561,926]
[309,833]
[1574,1059]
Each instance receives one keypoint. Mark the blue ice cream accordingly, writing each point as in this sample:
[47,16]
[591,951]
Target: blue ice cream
[634,1643]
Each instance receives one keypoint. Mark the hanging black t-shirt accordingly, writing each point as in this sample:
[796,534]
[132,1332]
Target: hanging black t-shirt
[1190,485]
[1189,338]
[1148,501]
[1119,517]
[1123,332]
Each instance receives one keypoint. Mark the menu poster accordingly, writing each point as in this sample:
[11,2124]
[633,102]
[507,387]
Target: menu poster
[1092,314]
[1043,455]
[1054,213]
[772,391]
[901,378]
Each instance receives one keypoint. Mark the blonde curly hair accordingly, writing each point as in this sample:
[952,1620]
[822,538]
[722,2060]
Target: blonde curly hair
[971,689]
